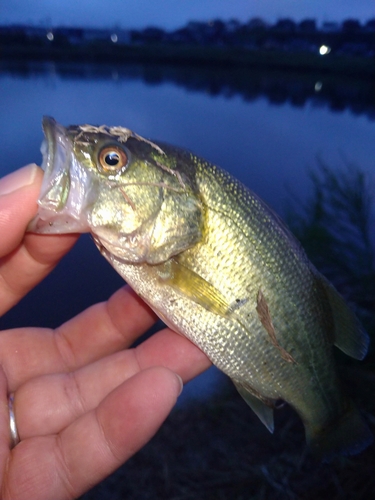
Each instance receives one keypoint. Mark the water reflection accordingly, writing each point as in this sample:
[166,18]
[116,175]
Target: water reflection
[338,93]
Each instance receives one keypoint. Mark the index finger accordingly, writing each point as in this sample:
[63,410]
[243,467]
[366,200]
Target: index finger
[98,331]
[24,259]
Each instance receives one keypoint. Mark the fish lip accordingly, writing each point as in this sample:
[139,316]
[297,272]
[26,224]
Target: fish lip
[59,212]
[55,136]
[48,147]
[55,150]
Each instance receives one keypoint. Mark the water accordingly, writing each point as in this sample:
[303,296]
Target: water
[266,145]
[267,138]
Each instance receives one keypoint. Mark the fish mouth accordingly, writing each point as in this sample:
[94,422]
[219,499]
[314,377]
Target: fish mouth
[64,186]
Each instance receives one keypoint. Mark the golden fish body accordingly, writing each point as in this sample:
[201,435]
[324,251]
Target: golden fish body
[216,264]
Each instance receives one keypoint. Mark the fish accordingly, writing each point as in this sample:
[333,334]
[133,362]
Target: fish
[217,265]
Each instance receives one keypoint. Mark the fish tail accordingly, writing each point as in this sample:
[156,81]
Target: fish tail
[348,435]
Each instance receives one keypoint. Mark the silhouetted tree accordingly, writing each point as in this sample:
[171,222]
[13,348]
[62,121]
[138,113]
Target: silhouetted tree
[351,25]
[287,25]
[307,26]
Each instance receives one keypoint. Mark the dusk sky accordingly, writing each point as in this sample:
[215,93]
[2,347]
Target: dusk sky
[171,14]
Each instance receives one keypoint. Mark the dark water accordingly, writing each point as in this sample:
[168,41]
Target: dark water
[265,128]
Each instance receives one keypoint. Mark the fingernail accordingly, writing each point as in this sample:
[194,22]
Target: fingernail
[181,383]
[18,179]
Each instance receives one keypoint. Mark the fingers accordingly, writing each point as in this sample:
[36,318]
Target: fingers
[24,260]
[104,328]
[95,333]
[174,351]
[93,446]
[48,404]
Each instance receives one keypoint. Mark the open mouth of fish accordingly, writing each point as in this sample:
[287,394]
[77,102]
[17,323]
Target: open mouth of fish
[65,185]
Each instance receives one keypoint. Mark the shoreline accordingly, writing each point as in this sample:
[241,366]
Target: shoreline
[193,55]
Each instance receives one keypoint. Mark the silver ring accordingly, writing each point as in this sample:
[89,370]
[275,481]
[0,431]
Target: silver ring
[14,437]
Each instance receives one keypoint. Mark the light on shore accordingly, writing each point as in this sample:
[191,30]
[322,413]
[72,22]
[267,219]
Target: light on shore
[324,49]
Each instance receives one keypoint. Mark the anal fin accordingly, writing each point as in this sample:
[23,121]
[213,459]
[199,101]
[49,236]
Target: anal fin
[261,407]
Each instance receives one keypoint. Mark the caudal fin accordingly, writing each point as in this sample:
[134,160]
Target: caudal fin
[347,436]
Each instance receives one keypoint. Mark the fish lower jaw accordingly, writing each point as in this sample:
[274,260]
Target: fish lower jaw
[56,224]
[115,252]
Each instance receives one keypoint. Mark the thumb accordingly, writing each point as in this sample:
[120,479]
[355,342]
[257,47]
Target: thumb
[18,203]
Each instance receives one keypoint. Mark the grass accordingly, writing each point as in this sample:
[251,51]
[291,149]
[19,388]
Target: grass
[336,228]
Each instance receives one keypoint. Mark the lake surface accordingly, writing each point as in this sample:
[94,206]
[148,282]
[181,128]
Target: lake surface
[267,137]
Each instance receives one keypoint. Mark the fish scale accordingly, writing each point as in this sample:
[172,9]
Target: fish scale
[217,265]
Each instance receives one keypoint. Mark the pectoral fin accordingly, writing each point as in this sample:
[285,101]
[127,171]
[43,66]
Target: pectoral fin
[192,285]
[261,407]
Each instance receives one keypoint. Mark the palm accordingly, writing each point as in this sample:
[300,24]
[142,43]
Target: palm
[84,402]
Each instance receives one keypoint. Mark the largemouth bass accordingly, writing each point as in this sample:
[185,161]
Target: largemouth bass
[216,264]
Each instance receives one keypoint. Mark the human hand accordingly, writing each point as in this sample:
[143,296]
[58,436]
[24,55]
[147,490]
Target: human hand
[83,401]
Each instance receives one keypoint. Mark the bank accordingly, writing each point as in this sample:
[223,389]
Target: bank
[168,53]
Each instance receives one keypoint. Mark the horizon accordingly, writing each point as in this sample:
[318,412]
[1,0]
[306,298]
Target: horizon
[172,14]
[111,28]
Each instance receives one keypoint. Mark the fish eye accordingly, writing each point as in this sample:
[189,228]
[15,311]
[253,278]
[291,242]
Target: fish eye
[112,159]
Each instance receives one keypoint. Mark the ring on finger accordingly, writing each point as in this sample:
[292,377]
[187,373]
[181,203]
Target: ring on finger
[14,436]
